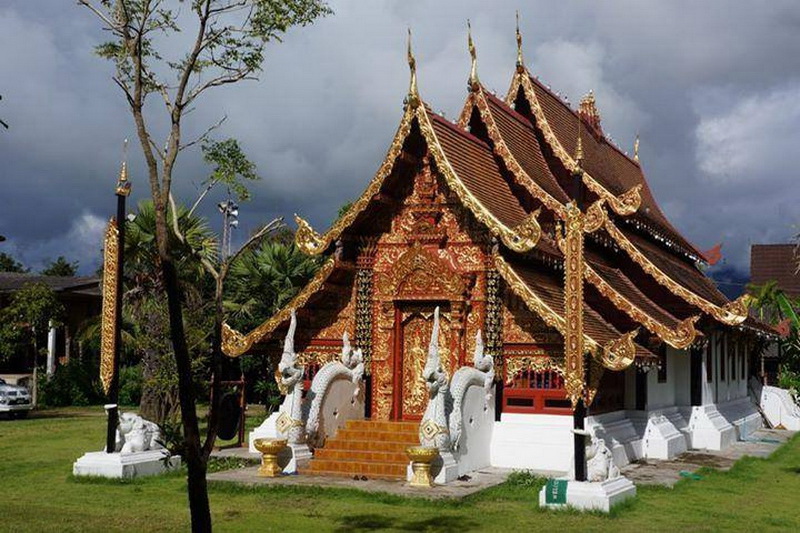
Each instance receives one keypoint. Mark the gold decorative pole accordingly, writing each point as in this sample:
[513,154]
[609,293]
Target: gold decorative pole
[111,327]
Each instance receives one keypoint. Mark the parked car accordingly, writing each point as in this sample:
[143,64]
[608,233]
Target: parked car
[15,401]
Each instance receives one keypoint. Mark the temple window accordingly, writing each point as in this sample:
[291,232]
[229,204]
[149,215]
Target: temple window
[531,391]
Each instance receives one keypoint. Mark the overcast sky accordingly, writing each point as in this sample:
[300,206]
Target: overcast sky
[712,87]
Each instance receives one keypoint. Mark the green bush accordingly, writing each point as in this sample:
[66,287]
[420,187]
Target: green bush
[130,385]
[75,383]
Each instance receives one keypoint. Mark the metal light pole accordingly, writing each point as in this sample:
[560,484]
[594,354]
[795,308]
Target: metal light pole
[122,191]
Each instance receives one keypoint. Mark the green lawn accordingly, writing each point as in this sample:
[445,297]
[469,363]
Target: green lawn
[39,494]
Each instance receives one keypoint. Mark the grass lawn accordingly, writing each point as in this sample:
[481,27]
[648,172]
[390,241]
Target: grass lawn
[39,494]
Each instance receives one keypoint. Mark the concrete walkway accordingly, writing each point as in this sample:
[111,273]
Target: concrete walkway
[653,472]
[482,479]
[650,472]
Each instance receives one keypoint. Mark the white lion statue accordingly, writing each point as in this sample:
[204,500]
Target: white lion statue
[135,434]
[600,463]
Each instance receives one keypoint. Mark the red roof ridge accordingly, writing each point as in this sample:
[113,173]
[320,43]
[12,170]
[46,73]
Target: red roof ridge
[602,136]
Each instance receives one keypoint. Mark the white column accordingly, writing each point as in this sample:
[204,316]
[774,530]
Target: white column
[51,350]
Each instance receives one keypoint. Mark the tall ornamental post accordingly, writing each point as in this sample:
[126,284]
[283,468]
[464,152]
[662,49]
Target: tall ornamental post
[111,328]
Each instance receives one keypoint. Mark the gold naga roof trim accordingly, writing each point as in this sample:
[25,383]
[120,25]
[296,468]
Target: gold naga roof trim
[520,238]
[620,349]
[680,337]
[478,99]
[731,314]
[625,204]
[235,344]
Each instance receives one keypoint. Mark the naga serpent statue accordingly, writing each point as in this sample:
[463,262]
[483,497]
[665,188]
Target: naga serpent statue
[442,424]
[482,375]
[434,430]
[351,368]
[290,382]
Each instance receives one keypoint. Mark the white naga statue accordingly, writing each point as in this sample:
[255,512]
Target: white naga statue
[135,434]
[434,430]
[290,382]
[443,422]
[351,368]
[600,462]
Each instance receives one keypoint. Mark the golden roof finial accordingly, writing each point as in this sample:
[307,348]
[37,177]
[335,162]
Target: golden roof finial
[413,94]
[636,149]
[520,61]
[579,147]
[123,185]
[473,72]
[588,110]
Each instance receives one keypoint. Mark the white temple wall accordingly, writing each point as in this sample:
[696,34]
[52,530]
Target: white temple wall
[680,361]
[660,395]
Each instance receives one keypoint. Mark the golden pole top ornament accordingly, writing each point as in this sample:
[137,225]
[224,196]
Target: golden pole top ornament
[636,149]
[123,185]
[520,60]
[473,71]
[413,93]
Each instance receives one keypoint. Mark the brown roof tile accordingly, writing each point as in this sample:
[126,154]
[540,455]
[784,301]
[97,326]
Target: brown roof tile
[518,135]
[776,262]
[605,162]
[474,163]
[550,290]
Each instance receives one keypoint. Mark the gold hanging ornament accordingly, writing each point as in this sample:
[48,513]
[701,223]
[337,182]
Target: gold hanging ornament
[108,338]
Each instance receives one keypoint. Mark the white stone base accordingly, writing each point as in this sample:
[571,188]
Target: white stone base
[593,496]
[709,429]
[662,440]
[294,458]
[128,465]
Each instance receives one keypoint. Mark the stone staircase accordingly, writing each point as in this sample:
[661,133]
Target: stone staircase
[375,449]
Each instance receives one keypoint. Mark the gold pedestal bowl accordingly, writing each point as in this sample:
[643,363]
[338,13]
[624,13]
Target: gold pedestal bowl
[270,448]
[421,458]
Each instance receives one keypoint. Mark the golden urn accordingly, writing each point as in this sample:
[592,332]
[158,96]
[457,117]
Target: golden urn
[421,458]
[270,448]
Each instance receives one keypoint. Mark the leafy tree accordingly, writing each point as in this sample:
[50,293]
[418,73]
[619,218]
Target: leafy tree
[776,308]
[228,45]
[25,321]
[264,280]
[61,267]
[9,264]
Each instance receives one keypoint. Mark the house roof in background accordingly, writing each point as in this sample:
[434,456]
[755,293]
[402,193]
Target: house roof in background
[776,262]
[13,281]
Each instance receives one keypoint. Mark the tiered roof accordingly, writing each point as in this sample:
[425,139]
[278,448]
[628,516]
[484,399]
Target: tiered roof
[510,164]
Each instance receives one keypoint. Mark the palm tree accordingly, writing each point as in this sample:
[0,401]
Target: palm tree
[265,279]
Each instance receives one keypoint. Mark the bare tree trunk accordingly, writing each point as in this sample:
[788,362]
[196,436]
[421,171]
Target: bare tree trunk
[196,460]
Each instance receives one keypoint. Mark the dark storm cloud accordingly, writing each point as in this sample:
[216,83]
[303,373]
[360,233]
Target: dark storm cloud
[712,87]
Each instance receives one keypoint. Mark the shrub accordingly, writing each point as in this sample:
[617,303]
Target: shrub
[130,385]
[72,384]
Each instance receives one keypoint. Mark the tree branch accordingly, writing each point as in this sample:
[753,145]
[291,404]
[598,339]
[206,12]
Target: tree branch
[103,17]
[257,236]
[205,134]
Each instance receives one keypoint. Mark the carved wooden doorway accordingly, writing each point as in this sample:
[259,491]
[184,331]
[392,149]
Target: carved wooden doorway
[413,326]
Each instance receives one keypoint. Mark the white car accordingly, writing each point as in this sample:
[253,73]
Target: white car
[14,400]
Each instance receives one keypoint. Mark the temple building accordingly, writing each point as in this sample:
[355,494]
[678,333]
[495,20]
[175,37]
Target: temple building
[473,217]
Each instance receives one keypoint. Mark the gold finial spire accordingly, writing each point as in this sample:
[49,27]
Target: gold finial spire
[579,147]
[520,61]
[413,94]
[636,149]
[123,185]
[588,110]
[473,72]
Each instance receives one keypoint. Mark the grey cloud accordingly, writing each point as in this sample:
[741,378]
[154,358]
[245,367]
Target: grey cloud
[688,76]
